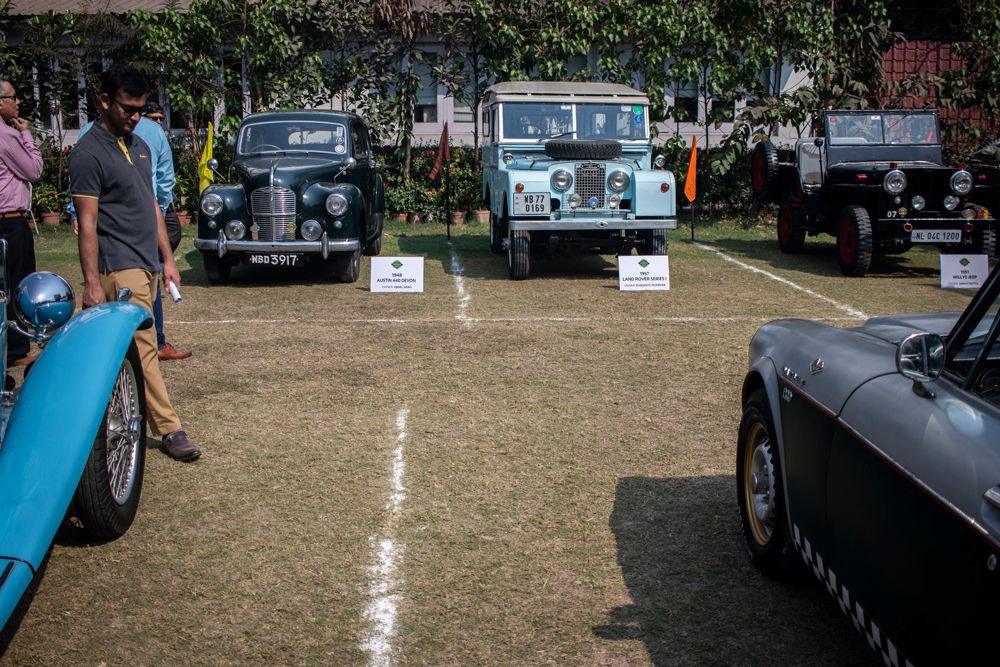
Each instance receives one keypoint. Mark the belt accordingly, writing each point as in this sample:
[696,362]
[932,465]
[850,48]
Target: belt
[12,214]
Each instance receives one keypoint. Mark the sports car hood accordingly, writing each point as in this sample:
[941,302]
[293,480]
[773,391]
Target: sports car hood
[293,172]
[894,328]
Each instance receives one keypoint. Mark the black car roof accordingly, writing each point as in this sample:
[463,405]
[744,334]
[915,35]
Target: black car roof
[302,114]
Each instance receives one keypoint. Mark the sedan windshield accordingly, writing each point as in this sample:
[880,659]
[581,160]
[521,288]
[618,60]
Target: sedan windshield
[292,137]
[544,120]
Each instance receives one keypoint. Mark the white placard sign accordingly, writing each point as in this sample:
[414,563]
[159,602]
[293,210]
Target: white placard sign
[397,274]
[643,272]
[964,270]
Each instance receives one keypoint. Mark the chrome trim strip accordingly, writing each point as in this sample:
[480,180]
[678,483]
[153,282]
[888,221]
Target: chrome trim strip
[587,224]
[332,245]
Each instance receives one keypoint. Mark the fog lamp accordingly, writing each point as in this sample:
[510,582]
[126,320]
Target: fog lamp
[235,230]
[951,202]
[311,230]
[575,200]
[918,203]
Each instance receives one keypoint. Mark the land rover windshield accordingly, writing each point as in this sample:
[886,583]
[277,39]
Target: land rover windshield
[543,120]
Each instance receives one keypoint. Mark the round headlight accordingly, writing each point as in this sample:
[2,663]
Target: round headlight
[968,214]
[507,158]
[43,302]
[961,182]
[561,180]
[618,181]
[951,202]
[336,204]
[311,230]
[235,230]
[918,203]
[660,162]
[575,200]
[211,204]
[895,182]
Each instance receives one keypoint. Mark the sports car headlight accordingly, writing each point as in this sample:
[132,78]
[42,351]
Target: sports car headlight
[951,202]
[235,230]
[895,182]
[212,204]
[311,230]
[961,182]
[618,181]
[336,204]
[561,180]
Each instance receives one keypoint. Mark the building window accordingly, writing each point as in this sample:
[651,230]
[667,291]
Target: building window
[723,110]
[427,98]
[464,114]
[686,103]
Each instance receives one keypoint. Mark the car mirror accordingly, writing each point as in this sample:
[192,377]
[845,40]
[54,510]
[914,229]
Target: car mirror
[920,356]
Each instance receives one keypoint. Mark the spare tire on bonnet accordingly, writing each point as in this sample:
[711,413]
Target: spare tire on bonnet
[578,149]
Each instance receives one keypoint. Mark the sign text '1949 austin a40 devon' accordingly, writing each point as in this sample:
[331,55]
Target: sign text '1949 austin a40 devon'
[567,168]
[72,437]
[877,181]
[307,193]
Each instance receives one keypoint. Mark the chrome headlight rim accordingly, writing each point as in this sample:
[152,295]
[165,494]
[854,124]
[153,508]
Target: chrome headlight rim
[561,180]
[951,202]
[618,181]
[575,200]
[311,230]
[961,182]
[917,203]
[894,182]
[235,230]
[336,204]
[660,162]
[212,204]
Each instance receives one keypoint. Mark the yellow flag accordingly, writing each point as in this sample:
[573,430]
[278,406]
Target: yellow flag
[205,174]
[690,182]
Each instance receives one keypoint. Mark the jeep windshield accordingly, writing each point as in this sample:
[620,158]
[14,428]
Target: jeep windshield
[885,128]
[548,120]
[278,137]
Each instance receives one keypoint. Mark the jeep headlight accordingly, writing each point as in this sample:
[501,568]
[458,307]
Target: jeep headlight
[336,204]
[561,180]
[311,230]
[618,181]
[235,230]
[894,182]
[212,204]
[951,202]
[961,182]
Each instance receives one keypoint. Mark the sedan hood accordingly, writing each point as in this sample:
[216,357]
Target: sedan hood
[291,172]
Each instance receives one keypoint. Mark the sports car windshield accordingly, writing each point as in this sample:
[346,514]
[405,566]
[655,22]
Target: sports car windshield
[898,129]
[292,137]
[543,120]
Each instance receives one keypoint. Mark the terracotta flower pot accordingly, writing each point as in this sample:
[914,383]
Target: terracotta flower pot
[413,218]
[457,217]
[184,217]
[482,216]
[397,217]
[51,218]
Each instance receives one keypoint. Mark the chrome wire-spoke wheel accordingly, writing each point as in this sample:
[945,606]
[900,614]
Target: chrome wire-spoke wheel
[759,485]
[124,430]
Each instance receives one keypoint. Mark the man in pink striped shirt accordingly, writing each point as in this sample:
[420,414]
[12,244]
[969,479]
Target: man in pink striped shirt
[20,164]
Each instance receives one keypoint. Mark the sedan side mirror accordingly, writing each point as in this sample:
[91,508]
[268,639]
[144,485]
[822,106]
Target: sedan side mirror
[920,358]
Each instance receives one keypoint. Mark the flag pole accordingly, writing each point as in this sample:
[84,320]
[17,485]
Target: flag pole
[447,199]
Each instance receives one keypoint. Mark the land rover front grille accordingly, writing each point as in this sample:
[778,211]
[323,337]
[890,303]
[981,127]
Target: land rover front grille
[590,183]
[273,212]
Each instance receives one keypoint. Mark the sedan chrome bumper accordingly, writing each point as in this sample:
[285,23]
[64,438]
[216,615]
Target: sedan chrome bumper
[323,247]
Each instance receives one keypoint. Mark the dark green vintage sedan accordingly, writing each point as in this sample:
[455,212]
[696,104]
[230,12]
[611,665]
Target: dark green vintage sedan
[307,193]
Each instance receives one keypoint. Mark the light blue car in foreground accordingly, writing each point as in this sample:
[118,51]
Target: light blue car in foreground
[72,437]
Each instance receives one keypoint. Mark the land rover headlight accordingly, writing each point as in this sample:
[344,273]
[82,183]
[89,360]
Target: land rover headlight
[561,180]
[311,230]
[618,181]
[961,182]
[212,204]
[507,158]
[660,162]
[336,204]
[894,182]
[951,202]
[235,230]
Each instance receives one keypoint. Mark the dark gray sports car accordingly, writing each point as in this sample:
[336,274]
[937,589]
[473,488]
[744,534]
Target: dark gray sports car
[873,455]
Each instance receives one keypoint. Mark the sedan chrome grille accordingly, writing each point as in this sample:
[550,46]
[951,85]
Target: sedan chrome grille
[590,182]
[273,212]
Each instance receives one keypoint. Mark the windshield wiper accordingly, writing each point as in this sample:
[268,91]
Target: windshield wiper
[555,136]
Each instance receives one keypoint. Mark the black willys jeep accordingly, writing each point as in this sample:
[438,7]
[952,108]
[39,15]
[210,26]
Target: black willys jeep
[876,181]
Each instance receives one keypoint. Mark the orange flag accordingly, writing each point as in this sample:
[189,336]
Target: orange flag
[443,156]
[690,183]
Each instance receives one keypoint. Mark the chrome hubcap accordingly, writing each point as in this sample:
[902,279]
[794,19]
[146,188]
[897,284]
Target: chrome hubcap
[760,485]
[124,430]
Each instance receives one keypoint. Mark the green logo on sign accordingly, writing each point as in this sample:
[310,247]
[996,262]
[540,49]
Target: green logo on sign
[643,263]
[964,261]
[397,264]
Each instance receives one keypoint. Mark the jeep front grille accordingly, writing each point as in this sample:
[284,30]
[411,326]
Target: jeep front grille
[590,182]
[273,212]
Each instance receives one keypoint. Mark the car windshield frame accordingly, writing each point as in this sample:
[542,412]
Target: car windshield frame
[271,131]
[883,128]
[542,120]
[974,339]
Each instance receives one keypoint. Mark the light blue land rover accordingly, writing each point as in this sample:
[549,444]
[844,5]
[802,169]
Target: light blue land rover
[567,169]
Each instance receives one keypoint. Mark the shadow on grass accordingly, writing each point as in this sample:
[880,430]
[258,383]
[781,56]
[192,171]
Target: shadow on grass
[696,599]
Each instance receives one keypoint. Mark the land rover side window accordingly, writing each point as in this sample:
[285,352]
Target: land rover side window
[911,129]
[536,120]
[611,121]
[846,129]
[277,137]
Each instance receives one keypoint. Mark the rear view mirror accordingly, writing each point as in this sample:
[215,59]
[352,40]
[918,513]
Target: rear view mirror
[920,357]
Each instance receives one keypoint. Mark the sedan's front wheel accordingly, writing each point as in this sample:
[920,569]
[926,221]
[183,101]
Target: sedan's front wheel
[760,491]
[348,266]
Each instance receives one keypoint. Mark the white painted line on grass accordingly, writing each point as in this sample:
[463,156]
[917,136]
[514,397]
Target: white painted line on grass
[854,312]
[463,297]
[473,320]
[384,584]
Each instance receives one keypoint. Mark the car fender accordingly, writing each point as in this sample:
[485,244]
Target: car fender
[314,205]
[650,199]
[53,424]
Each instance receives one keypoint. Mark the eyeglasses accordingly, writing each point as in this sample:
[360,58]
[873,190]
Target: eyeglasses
[8,97]
[128,109]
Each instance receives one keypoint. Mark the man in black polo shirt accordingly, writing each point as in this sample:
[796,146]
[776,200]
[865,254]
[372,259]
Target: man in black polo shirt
[122,235]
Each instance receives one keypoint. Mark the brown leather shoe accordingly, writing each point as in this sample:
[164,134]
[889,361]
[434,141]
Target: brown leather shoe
[30,359]
[168,352]
[178,447]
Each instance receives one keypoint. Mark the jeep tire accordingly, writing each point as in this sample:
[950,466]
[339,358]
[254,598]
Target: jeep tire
[791,233]
[854,241]
[597,149]
[519,255]
[764,171]
[988,242]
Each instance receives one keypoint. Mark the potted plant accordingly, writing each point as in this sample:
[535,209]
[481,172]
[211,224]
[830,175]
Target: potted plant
[49,204]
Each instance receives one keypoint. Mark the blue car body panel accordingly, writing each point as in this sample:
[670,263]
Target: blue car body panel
[51,431]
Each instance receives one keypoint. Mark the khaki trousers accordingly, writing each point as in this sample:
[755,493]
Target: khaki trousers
[162,418]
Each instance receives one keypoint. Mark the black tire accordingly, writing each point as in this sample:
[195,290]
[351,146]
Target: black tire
[374,246]
[791,233]
[760,492]
[657,243]
[347,266]
[498,232]
[764,171]
[854,241]
[519,255]
[988,243]
[216,270]
[107,497]
[579,149]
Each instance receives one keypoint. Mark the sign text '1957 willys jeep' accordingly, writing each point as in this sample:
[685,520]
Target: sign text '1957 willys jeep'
[877,181]
[567,168]
[307,192]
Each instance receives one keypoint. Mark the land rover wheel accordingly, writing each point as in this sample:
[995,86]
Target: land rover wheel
[791,233]
[854,241]
[498,233]
[519,255]
[764,171]
[573,149]
[216,269]
[657,243]
[347,266]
